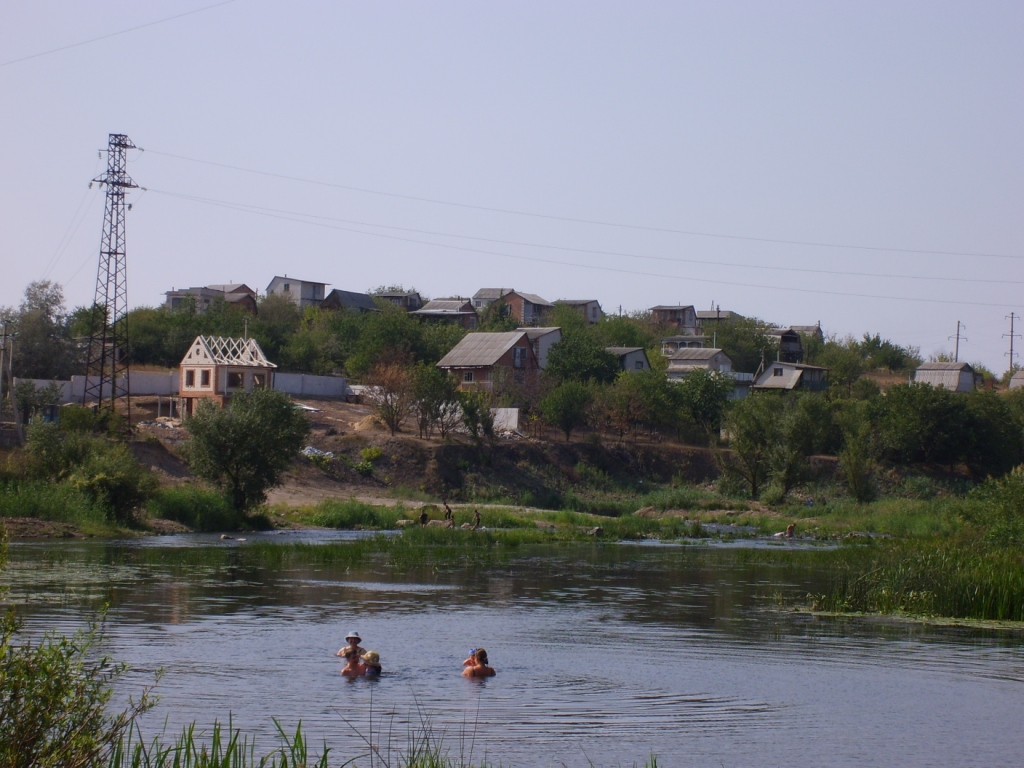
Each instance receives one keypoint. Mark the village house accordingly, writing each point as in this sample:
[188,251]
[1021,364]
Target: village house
[1017,380]
[956,377]
[810,331]
[631,359]
[216,368]
[542,339]
[589,308]
[410,301]
[483,298]
[687,360]
[525,308]
[711,316]
[481,360]
[202,298]
[449,311]
[783,376]
[351,301]
[304,293]
[684,317]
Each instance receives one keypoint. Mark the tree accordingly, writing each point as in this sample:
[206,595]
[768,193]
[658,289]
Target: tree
[43,348]
[391,393]
[278,320]
[918,423]
[476,415]
[844,361]
[746,341]
[435,400]
[705,395]
[567,406]
[579,357]
[754,434]
[246,447]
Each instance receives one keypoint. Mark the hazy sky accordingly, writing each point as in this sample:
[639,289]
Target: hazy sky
[667,149]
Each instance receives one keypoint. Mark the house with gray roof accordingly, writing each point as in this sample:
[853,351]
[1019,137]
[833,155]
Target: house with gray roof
[683,316]
[410,301]
[483,298]
[689,359]
[351,301]
[305,293]
[782,376]
[526,308]
[449,311]
[956,377]
[202,298]
[481,360]
[542,339]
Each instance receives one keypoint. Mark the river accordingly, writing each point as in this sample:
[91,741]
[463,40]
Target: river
[606,654]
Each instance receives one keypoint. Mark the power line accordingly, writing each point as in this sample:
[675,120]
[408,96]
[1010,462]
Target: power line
[260,209]
[114,34]
[576,265]
[594,222]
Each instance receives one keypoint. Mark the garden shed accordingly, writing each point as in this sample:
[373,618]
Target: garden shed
[956,377]
[216,367]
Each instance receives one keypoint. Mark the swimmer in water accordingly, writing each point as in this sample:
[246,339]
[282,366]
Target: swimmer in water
[476,665]
[354,666]
[353,639]
[371,664]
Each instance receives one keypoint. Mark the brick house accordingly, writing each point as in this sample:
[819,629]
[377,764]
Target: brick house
[684,317]
[480,360]
[526,308]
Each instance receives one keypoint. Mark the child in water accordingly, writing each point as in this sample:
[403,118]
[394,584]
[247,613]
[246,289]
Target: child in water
[354,666]
[371,664]
[476,664]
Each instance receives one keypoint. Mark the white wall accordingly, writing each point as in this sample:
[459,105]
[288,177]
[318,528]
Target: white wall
[311,386]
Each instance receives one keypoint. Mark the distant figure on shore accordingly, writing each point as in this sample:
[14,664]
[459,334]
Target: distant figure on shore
[476,519]
[371,664]
[353,639]
[424,518]
[789,533]
[476,664]
[354,666]
[448,514]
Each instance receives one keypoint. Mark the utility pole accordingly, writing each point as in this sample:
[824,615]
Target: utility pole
[106,370]
[959,327]
[1011,317]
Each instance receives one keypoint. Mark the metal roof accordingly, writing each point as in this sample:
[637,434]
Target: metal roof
[220,350]
[694,353]
[944,367]
[481,349]
[351,299]
[492,293]
[533,298]
[396,294]
[806,329]
[715,314]
[285,277]
[674,306]
[576,302]
[620,351]
[535,333]
[233,288]
[447,306]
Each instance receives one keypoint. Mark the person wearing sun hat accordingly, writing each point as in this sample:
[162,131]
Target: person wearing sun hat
[371,662]
[353,639]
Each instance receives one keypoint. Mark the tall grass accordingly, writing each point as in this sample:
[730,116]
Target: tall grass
[198,508]
[352,514]
[55,502]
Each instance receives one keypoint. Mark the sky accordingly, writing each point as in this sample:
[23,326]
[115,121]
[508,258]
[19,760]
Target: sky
[857,164]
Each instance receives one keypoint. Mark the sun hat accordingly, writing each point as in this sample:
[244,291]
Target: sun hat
[352,634]
[371,657]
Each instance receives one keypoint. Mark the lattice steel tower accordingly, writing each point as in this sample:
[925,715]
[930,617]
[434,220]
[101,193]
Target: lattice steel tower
[106,370]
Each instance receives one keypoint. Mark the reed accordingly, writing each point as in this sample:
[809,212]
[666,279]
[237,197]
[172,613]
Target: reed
[55,502]
[198,508]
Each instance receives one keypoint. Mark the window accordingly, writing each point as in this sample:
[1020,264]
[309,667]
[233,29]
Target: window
[190,378]
[593,313]
[478,303]
[287,287]
[259,380]
[204,377]
[467,377]
[518,357]
[639,365]
[777,372]
[235,379]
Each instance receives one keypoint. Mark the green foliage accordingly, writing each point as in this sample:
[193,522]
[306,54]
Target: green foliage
[246,448]
[77,418]
[371,453]
[53,701]
[754,432]
[44,348]
[579,356]
[882,353]
[31,399]
[997,506]
[352,514]
[996,434]
[198,508]
[746,341]
[391,393]
[476,415]
[114,480]
[635,330]
[856,456]
[705,396]
[567,406]
[844,360]
[46,500]
[435,400]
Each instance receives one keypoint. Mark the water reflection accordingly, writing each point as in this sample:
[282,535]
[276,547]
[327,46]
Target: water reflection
[604,653]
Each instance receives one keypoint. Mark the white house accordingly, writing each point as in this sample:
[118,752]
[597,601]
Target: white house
[542,339]
[956,377]
[305,293]
[631,358]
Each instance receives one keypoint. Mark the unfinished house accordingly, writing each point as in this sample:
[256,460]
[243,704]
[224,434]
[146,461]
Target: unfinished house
[216,368]
[482,360]
[631,359]
[589,308]
[672,344]
[456,311]
[305,293]
[956,377]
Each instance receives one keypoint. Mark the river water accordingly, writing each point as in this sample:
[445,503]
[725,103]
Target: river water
[605,654]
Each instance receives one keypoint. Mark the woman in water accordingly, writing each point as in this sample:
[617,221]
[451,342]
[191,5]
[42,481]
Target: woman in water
[353,639]
[476,665]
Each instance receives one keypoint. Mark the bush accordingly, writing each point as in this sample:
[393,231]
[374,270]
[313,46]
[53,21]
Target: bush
[371,453]
[114,479]
[198,508]
[57,502]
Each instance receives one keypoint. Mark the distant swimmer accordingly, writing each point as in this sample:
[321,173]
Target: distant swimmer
[476,665]
[371,664]
[353,639]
